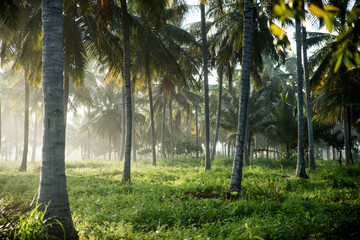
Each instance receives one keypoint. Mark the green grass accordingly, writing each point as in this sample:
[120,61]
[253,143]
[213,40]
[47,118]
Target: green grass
[178,200]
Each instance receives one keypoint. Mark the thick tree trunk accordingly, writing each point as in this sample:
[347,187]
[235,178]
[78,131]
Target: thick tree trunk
[163,154]
[206,87]
[300,167]
[122,149]
[236,176]
[127,82]
[33,154]
[152,125]
[23,165]
[52,188]
[346,137]
[308,103]
[171,128]
[197,130]
[218,114]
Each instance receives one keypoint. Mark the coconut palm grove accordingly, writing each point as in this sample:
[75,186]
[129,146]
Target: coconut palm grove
[179,119]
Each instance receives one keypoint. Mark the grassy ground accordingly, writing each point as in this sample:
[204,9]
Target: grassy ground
[178,200]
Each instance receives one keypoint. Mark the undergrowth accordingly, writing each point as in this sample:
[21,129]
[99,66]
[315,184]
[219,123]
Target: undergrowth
[178,200]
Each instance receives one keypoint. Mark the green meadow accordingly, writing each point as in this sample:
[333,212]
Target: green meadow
[179,200]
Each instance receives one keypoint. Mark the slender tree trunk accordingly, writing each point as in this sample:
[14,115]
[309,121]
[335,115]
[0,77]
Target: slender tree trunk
[349,132]
[23,165]
[346,137]
[236,176]
[300,167]
[255,146]
[163,154]
[127,82]
[230,78]
[218,114]
[133,129]
[267,150]
[197,130]
[16,139]
[308,103]
[206,86]
[152,125]
[33,154]
[52,188]
[110,149]
[171,128]
[122,150]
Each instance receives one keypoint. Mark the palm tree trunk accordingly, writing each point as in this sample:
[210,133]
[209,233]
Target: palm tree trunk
[16,139]
[52,188]
[218,114]
[206,87]
[171,128]
[33,154]
[236,176]
[123,118]
[349,130]
[110,150]
[126,39]
[152,125]
[197,130]
[300,167]
[133,129]
[163,127]
[23,165]
[308,103]
[346,137]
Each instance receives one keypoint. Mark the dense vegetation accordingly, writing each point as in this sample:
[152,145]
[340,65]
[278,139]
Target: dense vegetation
[130,80]
[178,200]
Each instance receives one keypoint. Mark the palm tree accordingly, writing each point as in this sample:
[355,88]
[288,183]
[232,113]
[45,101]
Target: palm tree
[26,126]
[300,166]
[308,102]
[206,86]
[126,39]
[236,176]
[52,187]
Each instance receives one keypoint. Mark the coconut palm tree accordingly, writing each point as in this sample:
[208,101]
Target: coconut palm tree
[52,187]
[236,176]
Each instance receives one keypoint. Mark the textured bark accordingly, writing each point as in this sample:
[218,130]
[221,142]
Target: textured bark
[218,114]
[33,154]
[152,125]
[171,128]
[52,188]
[346,137]
[206,87]
[197,130]
[163,127]
[122,149]
[300,167]
[127,82]
[236,176]
[308,103]
[23,165]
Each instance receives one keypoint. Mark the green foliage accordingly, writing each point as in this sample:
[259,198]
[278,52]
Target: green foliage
[178,200]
